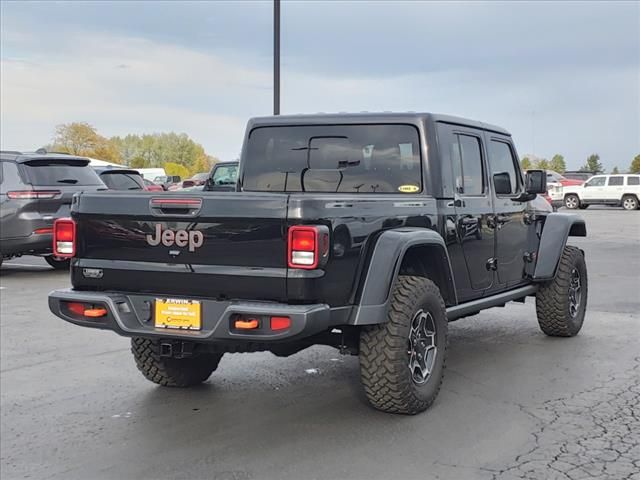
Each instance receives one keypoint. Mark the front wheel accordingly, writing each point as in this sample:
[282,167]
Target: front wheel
[402,361]
[629,202]
[572,202]
[168,371]
[58,263]
[561,303]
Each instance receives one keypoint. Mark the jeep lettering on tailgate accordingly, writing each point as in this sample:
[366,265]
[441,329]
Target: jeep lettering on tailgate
[180,238]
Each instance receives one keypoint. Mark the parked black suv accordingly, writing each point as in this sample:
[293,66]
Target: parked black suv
[223,177]
[116,178]
[35,189]
[364,232]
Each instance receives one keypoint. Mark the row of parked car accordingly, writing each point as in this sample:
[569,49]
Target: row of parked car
[37,188]
[622,190]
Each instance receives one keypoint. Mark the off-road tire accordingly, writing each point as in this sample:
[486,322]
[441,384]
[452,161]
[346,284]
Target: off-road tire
[384,350]
[572,201]
[168,371]
[630,202]
[553,301]
[58,264]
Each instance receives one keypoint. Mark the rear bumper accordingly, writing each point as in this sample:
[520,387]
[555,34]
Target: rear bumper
[131,315]
[35,243]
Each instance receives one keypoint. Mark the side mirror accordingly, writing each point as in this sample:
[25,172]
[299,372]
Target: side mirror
[502,183]
[536,181]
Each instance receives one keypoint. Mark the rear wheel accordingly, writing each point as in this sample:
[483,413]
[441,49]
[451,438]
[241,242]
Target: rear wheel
[562,303]
[168,371]
[57,262]
[629,202]
[572,202]
[402,361]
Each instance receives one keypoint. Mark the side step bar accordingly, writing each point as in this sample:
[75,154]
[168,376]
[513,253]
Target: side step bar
[473,307]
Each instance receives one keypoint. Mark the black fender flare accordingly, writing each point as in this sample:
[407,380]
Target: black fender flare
[384,265]
[557,228]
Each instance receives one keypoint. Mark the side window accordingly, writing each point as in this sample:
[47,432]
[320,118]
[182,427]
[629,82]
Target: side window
[596,182]
[633,180]
[616,181]
[10,177]
[502,160]
[469,178]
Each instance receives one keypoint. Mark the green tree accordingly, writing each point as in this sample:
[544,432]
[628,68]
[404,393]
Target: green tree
[635,165]
[593,164]
[558,164]
[542,164]
[615,171]
[525,163]
[139,162]
[176,169]
[80,138]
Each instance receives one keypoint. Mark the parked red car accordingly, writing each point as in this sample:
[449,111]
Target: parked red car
[564,181]
[152,187]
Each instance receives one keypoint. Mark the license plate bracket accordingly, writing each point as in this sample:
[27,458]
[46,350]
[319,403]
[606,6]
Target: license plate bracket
[179,314]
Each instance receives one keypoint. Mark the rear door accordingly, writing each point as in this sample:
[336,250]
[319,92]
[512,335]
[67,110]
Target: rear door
[509,219]
[615,188]
[464,148]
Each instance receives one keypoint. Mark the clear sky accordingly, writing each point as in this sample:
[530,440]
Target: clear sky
[562,77]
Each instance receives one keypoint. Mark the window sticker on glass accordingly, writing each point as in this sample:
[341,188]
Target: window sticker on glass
[409,188]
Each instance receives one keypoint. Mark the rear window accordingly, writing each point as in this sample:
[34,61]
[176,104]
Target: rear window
[615,181]
[334,158]
[123,181]
[633,180]
[60,172]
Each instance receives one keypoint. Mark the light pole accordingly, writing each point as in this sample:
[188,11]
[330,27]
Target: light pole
[276,57]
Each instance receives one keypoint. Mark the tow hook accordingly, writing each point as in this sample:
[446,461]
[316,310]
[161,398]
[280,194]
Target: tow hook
[176,349]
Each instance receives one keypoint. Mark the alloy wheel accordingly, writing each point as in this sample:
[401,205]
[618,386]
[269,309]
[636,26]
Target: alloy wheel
[422,347]
[575,293]
[629,203]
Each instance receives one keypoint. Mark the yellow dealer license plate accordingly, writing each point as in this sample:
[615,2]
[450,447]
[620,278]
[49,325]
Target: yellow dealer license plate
[176,313]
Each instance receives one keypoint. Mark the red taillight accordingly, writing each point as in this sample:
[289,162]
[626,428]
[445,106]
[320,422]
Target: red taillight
[303,247]
[280,323]
[32,194]
[77,308]
[64,238]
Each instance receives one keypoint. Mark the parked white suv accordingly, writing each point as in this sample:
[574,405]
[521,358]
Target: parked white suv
[618,190]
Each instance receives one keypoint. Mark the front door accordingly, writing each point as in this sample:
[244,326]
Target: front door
[509,221]
[594,189]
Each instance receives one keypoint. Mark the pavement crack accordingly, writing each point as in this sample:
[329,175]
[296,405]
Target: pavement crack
[593,433]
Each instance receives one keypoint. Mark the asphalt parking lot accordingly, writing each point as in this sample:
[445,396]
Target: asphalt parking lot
[514,404]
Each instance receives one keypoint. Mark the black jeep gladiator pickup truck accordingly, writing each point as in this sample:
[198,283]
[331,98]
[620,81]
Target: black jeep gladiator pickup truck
[365,232]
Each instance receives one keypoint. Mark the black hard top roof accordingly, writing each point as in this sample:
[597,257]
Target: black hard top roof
[369,117]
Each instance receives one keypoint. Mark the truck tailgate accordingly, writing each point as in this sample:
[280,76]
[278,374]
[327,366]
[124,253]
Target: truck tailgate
[219,245]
